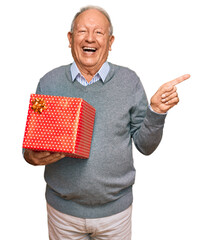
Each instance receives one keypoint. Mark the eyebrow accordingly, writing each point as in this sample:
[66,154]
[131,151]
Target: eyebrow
[97,27]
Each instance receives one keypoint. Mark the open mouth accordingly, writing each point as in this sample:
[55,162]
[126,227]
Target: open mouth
[89,49]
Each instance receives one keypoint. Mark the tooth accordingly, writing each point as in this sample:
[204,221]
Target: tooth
[89,49]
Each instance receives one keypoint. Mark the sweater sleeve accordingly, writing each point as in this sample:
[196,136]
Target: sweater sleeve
[146,125]
[38,89]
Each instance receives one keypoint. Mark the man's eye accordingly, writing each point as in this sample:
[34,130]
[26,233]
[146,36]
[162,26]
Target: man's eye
[99,32]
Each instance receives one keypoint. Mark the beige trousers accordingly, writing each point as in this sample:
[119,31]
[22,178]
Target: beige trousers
[63,227]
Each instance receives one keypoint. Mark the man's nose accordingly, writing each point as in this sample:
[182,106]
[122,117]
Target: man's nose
[90,37]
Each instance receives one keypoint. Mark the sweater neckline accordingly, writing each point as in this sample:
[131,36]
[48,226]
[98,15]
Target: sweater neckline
[97,86]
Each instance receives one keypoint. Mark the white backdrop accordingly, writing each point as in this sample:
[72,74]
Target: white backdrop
[160,40]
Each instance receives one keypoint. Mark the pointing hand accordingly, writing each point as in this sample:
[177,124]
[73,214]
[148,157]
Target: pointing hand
[166,97]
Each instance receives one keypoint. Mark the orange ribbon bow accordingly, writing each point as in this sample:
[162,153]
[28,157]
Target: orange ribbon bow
[38,105]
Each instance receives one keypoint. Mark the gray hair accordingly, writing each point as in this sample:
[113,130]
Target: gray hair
[83,9]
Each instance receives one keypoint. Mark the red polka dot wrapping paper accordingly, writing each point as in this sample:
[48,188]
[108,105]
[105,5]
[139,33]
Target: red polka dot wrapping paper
[65,125]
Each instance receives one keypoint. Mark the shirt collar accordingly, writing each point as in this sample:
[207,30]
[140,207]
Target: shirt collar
[103,71]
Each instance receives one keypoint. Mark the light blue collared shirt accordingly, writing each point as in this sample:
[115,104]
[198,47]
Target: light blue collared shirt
[101,74]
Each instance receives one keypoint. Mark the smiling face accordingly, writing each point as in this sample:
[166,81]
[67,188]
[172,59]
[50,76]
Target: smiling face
[90,41]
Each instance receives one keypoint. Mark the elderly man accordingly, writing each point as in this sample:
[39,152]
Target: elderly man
[91,199]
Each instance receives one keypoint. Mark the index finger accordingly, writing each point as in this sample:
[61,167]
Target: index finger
[39,154]
[179,79]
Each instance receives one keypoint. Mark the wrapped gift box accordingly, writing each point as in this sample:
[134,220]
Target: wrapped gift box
[59,124]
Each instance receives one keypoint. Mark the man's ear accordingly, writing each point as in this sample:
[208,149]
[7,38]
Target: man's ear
[111,40]
[69,35]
